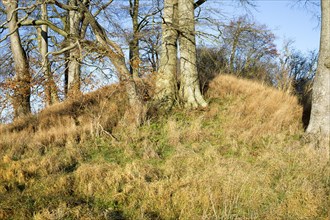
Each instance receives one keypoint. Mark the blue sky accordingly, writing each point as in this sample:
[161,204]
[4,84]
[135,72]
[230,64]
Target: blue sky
[290,21]
[287,20]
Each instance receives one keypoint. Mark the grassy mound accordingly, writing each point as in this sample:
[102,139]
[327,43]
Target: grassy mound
[242,158]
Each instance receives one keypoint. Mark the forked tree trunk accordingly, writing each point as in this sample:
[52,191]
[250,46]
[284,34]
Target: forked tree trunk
[190,92]
[22,90]
[50,86]
[165,90]
[319,124]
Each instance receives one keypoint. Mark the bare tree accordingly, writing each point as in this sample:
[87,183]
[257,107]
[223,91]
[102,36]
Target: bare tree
[179,27]
[74,67]
[22,81]
[248,43]
[189,87]
[166,78]
[50,86]
[134,55]
[319,124]
[73,31]
[150,48]
[141,17]
[116,55]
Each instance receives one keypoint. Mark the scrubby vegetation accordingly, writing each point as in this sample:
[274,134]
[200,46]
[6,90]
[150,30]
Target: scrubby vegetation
[241,158]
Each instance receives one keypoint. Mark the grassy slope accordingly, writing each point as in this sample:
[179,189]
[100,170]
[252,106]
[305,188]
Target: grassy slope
[242,158]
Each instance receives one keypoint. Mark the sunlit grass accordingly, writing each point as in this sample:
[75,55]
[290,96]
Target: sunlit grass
[242,158]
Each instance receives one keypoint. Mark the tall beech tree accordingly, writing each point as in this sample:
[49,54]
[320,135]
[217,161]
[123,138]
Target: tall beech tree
[134,55]
[73,26]
[141,37]
[102,45]
[166,79]
[50,86]
[190,92]
[80,17]
[22,80]
[319,124]
[115,54]
[179,27]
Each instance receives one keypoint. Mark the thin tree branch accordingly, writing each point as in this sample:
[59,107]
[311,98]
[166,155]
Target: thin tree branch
[102,8]
[199,3]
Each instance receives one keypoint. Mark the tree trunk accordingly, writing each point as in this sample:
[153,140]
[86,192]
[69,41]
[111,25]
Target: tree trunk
[134,55]
[22,90]
[319,124]
[189,88]
[165,90]
[117,58]
[135,100]
[66,72]
[233,53]
[50,86]
[74,71]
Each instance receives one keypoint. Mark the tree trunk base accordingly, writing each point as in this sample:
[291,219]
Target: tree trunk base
[319,142]
[192,97]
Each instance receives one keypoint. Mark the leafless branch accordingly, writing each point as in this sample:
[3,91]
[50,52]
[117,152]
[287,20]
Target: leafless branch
[199,3]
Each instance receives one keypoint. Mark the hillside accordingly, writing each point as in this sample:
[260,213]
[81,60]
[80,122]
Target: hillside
[243,157]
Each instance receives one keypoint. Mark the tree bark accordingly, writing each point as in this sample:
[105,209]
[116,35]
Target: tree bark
[22,90]
[74,66]
[50,86]
[190,92]
[319,124]
[165,91]
[134,55]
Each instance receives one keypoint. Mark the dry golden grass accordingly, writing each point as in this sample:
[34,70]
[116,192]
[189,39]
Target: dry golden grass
[255,110]
[71,121]
[242,158]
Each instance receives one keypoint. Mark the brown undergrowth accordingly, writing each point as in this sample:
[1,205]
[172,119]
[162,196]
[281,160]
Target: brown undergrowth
[242,158]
